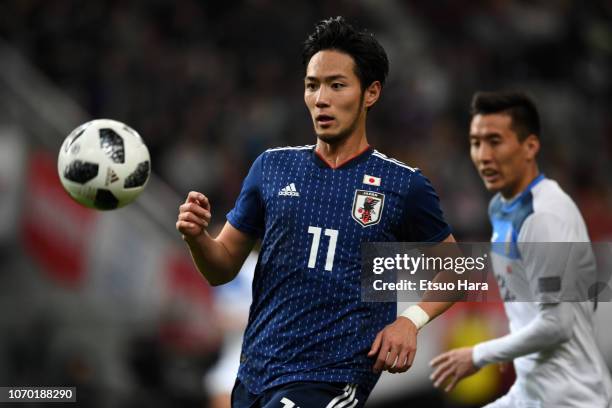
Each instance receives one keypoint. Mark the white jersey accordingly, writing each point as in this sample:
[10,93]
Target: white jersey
[572,374]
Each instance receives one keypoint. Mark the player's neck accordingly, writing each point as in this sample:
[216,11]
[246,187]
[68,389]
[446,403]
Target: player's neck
[517,189]
[342,151]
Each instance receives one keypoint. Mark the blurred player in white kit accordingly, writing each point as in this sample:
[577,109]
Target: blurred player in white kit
[232,301]
[551,342]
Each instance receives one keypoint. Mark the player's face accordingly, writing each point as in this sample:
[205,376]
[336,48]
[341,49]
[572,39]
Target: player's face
[333,95]
[504,163]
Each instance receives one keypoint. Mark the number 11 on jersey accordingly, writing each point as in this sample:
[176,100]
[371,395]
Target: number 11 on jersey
[314,248]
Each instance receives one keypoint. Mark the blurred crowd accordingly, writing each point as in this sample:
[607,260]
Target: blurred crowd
[212,84]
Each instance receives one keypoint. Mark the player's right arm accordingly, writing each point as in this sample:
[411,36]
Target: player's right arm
[218,259]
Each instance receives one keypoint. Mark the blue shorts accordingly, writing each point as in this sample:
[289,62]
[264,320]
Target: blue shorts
[300,395]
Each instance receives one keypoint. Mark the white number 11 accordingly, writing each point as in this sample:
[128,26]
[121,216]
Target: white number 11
[314,248]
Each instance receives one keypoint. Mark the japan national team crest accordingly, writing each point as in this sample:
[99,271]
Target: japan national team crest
[367,207]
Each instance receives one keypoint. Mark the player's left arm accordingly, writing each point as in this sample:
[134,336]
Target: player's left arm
[553,325]
[395,345]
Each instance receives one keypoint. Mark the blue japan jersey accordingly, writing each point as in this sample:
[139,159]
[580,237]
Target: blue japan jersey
[307,321]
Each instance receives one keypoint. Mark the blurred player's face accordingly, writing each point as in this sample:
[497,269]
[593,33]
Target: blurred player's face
[504,163]
[334,97]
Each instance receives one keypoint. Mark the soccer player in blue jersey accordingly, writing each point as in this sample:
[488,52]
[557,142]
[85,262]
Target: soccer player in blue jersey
[310,340]
[551,341]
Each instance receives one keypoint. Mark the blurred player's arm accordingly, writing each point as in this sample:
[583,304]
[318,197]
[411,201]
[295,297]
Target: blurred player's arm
[218,259]
[553,325]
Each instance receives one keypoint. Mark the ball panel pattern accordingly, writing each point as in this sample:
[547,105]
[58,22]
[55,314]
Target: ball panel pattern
[105,200]
[75,138]
[80,171]
[138,177]
[112,145]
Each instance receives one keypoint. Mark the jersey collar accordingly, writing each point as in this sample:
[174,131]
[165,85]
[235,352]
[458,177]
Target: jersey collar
[509,205]
[348,163]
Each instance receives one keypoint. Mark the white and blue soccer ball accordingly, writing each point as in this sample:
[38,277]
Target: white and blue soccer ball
[104,164]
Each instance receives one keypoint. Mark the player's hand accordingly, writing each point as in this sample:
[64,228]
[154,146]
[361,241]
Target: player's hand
[395,346]
[194,216]
[452,366]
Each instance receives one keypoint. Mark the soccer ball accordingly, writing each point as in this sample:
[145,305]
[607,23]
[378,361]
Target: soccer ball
[104,164]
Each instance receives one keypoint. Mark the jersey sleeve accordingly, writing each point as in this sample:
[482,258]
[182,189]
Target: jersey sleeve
[552,325]
[557,267]
[248,212]
[423,220]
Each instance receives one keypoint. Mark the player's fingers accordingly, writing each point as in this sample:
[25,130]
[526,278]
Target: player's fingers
[442,368]
[391,359]
[402,362]
[196,209]
[452,384]
[193,197]
[439,359]
[381,360]
[375,345]
[410,358]
[204,202]
[188,228]
[443,376]
[393,369]
[198,198]
[191,217]
[383,353]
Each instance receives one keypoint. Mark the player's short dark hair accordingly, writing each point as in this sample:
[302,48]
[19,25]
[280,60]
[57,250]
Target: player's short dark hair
[518,105]
[335,33]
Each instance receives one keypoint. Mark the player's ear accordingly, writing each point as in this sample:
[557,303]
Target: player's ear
[532,146]
[371,94]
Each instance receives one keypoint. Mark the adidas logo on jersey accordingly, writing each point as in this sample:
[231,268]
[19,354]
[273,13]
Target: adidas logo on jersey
[289,191]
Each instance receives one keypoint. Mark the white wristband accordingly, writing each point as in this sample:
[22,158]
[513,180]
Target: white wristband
[417,315]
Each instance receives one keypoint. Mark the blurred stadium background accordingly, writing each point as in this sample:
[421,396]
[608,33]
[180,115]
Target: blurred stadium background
[110,303]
